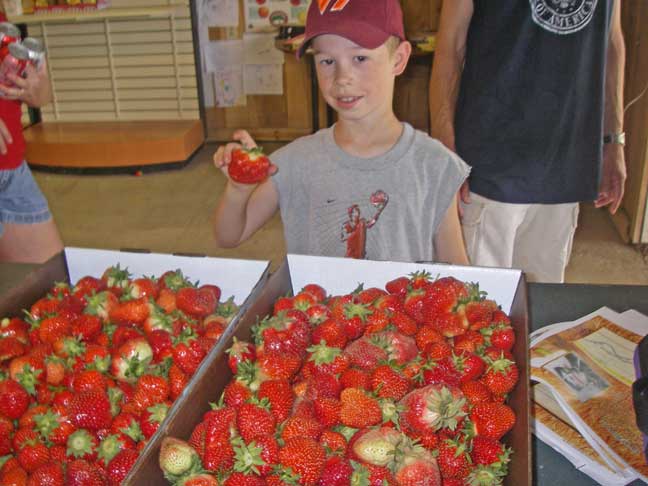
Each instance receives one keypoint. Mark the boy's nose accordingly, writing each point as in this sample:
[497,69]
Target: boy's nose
[342,76]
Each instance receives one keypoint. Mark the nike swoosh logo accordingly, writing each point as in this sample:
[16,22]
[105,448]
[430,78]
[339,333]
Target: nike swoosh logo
[329,201]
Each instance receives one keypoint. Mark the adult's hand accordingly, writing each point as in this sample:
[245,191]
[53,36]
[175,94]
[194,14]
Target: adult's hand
[5,138]
[34,88]
[613,178]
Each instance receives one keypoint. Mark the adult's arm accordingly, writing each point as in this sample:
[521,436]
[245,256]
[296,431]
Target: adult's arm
[447,67]
[614,169]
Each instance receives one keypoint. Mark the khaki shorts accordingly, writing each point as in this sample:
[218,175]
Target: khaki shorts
[536,238]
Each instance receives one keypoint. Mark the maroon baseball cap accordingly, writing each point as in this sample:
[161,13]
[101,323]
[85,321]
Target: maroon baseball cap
[368,23]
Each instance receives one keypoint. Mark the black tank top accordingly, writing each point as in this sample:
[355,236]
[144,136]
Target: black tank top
[529,117]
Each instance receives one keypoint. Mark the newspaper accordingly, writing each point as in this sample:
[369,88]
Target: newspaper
[582,399]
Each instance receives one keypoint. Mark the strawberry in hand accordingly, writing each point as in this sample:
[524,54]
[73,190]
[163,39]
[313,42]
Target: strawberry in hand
[250,166]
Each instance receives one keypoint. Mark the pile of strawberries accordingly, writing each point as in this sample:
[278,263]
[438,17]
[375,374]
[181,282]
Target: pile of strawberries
[90,371]
[404,386]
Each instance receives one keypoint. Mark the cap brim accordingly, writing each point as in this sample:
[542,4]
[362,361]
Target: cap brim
[363,34]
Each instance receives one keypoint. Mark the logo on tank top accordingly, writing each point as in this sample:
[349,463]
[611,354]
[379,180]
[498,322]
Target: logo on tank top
[562,16]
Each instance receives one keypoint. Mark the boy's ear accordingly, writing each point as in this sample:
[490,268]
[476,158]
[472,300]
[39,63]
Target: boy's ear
[401,57]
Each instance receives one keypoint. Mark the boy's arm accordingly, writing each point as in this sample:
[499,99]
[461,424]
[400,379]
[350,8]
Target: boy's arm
[449,56]
[614,168]
[448,240]
[241,212]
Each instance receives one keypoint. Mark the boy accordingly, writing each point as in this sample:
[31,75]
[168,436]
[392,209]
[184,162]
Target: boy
[370,186]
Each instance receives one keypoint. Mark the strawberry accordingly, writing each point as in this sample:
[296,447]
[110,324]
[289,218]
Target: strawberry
[387,382]
[32,455]
[327,411]
[219,455]
[502,337]
[318,313]
[303,301]
[501,376]
[14,477]
[337,472]
[14,399]
[50,474]
[413,303]
[476,392]
[330,332]
[470,341]
[490,452]
[317,291]
[131,359]
[81,444]
[479,313]
[6,431]
[426,335]
[352,317]
[404,323]
[150,389]
[197,302]
[255,419]
[302,426]
[280,395]
[240,351]
[378,321]
[82,473]
[370,295]
[142,287]
[433,408]
[469,365]
[101,305]
[242,479]
[389,302]
[110,446]
[355,378]
[116,279]
[134,311]
[375,446]
[87,326]
[278,365]
[121,464]
[443,371]
[249,166]
[256,457]
[449,324]
[90,410]
[359,409]
[454,461]
[178,458]
[10,347]
[282,304]
[53,328]
[89,380]
[288,331]
[152,417]
[201,479]
[334,442]
[492,419]
[305,457]
[367,352]
[324,359]
[416,466]
[398,286]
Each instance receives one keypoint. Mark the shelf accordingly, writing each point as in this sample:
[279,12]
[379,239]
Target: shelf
[112,144]
[106,13]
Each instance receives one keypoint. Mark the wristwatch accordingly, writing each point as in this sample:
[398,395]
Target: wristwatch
[618,138]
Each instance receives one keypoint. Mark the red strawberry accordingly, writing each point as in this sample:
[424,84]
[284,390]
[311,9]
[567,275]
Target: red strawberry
[201,479]
[88,285]
[449,324]
[352,317]
[476,392]
[253,420]
[333,441]
[469,365]
[479,313]
[503,337]
[303,301]
[355,378]
[316,291]
[86,326]
[337,472]
[131,359]
[249,166]
[404,323]
[398,286]
[413,304]
[501,376]
[120,466]
[90,410]
[331,332]
[134,311]
[143,287]
[10,347]
[317,314]
[305,457]
[322,358]
[50,474]
[33,454]
[81,444]
[359,409]
[152,417]
[489,452]
[82,473]
[378,320]
[454,461]
[492,419]
[470,341]
[116,279]
[219,451]
[242,479]
[280,395]
[369,296]
[416,466]
[14,399]
[110,446]
[53,328]
[387,382]
[197,302]
[301,426]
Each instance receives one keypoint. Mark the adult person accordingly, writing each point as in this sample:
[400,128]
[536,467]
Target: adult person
[529,93]
[28,233]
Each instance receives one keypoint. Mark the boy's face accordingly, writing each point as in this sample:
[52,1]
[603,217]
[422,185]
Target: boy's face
[357,82]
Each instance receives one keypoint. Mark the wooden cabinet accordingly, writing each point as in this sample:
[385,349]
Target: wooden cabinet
[632,218]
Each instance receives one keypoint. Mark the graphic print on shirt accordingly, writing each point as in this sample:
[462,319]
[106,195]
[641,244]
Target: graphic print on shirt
[354,230]
[562,16]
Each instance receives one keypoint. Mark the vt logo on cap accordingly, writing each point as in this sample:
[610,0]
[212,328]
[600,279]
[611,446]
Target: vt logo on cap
[337,6]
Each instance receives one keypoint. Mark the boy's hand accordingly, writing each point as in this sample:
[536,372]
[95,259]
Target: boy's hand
[224,156]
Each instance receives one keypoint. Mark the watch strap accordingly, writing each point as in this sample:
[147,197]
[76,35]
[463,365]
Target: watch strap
[618,138]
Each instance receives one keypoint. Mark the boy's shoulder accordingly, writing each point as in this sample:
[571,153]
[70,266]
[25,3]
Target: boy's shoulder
[306,143]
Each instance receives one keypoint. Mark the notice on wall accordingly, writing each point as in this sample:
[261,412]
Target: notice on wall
[267,15]
[260,49]
[228,86]
[223,53]
[219,13]
[263,79]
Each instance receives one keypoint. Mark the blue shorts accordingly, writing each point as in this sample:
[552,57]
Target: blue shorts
[21,200]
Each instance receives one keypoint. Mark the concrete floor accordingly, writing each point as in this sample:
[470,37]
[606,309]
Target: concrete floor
[170,212]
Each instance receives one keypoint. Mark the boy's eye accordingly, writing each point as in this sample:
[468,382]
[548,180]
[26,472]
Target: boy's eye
[326,62]
[361,58]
